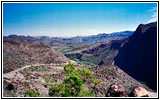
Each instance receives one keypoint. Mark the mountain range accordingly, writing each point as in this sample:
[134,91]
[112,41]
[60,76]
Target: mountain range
[45,40]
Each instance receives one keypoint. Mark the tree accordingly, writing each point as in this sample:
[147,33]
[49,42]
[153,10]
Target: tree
[73,84]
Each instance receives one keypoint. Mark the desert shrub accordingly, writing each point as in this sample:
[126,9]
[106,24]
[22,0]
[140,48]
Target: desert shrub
[68,68]
[85,93]
[96,82]
[85,73]
[31,93]
[73,84]
[57,90]
[47,80]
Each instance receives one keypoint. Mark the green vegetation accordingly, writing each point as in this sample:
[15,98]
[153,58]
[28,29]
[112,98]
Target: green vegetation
[142,82]
[31,93]
[47,80]
[82,62]
[69,68]
[64,51]
[73,84]
[8,92]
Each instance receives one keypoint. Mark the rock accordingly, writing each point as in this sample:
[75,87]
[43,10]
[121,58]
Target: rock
[6,81]
[11,86]
[152,94]
[116,90]
[139,91]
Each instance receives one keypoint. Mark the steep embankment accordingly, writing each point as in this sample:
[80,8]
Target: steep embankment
[138,57]
[18,54]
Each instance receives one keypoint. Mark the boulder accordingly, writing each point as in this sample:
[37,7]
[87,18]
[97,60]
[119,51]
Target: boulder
[11,86]
[140,91]
[116,90]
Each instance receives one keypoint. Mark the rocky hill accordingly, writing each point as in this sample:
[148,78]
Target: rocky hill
[18,54]
[138,57]
[111,75]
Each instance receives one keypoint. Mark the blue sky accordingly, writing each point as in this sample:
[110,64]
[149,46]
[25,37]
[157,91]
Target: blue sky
[74,19]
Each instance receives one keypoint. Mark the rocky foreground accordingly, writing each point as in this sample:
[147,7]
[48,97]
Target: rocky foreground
[114,82]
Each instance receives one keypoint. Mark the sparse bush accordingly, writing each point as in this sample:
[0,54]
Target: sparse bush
[73,84]
[47,80]
[31,93]
[68,68]
[85,93]
[85,73]
[56,90]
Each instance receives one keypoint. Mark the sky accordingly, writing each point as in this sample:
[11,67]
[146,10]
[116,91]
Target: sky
[74,19]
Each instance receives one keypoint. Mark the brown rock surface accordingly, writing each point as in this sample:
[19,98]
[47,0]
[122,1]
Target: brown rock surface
[116,90]
[140,91]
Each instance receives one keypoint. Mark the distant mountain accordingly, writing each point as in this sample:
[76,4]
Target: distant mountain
[42,37]
[18,54]
[107,37]
[138,56]
[42,40]
[104,37]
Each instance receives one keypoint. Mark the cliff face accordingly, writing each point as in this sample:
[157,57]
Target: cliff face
[138,57]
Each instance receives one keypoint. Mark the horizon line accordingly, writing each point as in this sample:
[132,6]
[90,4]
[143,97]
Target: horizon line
[72,36]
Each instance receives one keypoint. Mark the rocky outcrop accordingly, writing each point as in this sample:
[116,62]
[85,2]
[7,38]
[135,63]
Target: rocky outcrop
[139,91]
[111,76]
[10,85]
[116,90]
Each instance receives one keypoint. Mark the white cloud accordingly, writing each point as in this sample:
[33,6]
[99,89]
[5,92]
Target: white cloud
[41,32]
[96,31]
[92,30]
[153,9]
[154,15]
[28,33]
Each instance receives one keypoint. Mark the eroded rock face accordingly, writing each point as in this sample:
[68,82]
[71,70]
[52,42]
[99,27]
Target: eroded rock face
[140,91]
[116,90]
